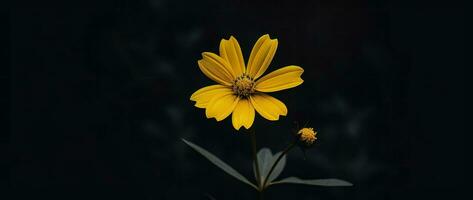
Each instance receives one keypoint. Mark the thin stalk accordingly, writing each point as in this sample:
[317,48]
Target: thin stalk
[253,147]
[287,149]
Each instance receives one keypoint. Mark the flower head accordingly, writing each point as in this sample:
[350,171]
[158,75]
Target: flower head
[307,136]
[240,90]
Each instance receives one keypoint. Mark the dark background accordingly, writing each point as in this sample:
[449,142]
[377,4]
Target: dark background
[100,98]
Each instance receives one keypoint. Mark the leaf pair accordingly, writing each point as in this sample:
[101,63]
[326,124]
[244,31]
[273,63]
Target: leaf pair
[266,160]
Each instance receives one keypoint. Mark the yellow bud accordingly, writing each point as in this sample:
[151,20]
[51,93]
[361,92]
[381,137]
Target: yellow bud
[307,136]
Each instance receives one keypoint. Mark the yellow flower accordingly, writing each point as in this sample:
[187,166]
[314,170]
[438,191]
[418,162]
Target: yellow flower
[239,91]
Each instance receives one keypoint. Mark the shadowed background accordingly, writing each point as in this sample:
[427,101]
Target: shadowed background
[100,98]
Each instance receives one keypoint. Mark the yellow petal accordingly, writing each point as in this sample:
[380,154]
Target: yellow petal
[216,68]
[243,114]
[203,96]
[261,56]
[281,79]
[268,106]
[230,51]
[221,106]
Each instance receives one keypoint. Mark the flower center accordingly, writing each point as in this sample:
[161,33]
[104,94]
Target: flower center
[244,86]
[307,135]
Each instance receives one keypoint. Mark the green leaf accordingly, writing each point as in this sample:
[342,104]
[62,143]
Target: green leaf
[264,157]
[219,163]
[318,182]
[279,167]
[266,160]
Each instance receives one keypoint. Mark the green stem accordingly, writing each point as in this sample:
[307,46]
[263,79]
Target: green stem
[288,148]
[253,147]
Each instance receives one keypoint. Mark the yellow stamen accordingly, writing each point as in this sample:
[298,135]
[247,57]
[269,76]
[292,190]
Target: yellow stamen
[244,86]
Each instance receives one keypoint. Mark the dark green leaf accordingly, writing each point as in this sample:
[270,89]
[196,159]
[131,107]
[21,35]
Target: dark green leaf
[279,167]
[318,182]
[219,163]
[264,157]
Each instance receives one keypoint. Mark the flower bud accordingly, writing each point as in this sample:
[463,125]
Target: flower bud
[306,136]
